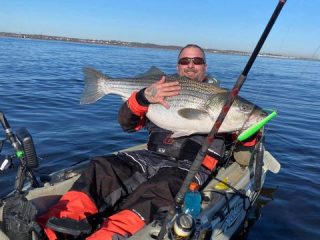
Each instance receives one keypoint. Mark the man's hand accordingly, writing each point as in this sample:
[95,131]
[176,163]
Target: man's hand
[157,92]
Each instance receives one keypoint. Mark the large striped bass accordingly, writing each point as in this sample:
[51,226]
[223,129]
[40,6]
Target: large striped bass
[194,110]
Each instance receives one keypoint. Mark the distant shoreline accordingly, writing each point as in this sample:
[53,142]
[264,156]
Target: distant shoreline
[137,45]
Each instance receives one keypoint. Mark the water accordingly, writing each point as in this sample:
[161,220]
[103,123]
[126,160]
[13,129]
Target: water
[40,87]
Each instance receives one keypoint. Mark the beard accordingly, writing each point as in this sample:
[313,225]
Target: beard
[194,75]
[187,70]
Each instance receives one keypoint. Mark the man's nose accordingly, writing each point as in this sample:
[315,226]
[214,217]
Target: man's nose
[191,64]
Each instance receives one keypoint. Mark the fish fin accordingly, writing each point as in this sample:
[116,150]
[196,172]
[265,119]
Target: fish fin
[192,113]
[153,71]
[181,134]
[92,91]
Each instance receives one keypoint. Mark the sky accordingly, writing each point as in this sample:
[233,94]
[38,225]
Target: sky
[216,24]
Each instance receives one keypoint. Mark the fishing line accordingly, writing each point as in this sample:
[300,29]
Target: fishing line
[315,53]
[286,33]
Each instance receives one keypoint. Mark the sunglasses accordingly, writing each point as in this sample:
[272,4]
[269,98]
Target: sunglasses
[195,60]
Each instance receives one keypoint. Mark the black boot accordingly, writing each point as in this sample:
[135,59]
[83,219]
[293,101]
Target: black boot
[70,226]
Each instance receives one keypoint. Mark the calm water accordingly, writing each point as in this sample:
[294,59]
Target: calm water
[40,86]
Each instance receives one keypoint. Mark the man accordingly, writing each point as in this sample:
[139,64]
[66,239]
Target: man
[136,185]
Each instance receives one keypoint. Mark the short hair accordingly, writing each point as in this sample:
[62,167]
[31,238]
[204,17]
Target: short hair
[194,46]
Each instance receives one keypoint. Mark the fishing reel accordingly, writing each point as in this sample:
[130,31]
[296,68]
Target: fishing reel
[25,151]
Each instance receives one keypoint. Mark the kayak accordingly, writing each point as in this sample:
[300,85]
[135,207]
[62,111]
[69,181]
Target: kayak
[226,199]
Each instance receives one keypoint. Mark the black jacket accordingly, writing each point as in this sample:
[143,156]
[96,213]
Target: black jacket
[160,140]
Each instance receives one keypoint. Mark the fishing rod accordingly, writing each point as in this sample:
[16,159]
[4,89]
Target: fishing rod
[211,136]
[24,150]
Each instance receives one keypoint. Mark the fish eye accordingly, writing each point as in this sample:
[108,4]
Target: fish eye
[245,107]
[263,114]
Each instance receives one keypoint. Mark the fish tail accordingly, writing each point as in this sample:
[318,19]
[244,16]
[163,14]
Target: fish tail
[94,86]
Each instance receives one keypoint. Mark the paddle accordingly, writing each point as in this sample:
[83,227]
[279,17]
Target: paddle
[211,137]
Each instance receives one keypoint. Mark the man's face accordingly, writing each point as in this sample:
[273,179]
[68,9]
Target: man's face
[191,70]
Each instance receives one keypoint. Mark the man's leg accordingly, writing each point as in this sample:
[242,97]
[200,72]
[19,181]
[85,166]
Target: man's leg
[101,185]
[140,207]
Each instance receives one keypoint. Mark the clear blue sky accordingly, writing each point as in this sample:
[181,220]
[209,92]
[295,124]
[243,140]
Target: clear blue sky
[227,25]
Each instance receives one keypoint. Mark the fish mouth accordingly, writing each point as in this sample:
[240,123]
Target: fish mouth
[256,116]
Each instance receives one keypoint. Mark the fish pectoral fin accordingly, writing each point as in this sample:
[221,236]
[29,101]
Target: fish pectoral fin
[153,71]
[192,113]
